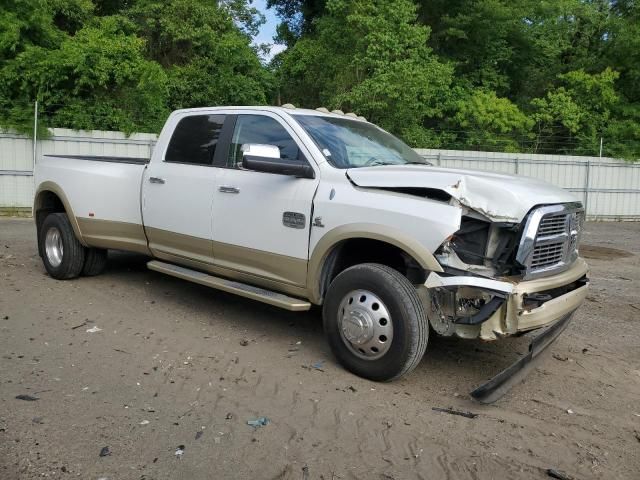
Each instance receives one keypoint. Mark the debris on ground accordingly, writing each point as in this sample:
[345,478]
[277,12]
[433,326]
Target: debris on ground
[305,473]
[553,473]
[314,366]
[228,416]
[352,388]
[244,342]
[94,329]
[637,434]
[28,398]
[259,422]
[105,452]
[570,412]
[562,358]
[291,352]
[144,422]
[79,326]
[38,420]
[179,451]
[455,412]
[199,434]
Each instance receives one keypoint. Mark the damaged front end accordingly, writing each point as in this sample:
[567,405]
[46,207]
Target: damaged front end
[497,276]
[503,279]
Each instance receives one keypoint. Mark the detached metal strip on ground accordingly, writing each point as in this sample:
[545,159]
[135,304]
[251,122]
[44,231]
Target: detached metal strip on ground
[500,384]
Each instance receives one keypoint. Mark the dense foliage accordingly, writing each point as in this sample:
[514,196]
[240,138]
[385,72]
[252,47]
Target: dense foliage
[508,75]
[124,64]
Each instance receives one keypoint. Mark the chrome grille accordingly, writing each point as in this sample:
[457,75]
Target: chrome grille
[553,225]
[547,255]
[550,239]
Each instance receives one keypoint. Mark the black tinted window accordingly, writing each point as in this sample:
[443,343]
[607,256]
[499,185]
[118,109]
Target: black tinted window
[194,140]
[263,130]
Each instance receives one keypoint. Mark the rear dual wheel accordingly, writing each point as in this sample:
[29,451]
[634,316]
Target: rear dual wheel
[63,255]
[375,322]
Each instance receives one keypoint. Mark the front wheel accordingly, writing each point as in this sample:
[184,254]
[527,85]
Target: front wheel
[375,322]
[63,255]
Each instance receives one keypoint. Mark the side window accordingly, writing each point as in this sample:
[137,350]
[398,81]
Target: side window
[263,130]
[194,139]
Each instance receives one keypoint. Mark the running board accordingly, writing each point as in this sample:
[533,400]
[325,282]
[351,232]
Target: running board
[242,289]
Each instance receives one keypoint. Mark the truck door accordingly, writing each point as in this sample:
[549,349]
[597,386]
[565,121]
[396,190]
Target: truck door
[177,191]
[261,221]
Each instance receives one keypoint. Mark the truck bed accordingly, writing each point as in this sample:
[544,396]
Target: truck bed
[103,192]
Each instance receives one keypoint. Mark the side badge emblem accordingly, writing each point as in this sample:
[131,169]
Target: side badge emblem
[293,220]
[317,222]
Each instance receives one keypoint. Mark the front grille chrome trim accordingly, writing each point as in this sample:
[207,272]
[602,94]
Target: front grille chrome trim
[549,239]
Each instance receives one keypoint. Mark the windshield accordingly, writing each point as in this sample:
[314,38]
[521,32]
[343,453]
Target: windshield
[349,144]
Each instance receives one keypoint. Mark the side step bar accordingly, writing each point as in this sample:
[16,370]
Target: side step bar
[242,289]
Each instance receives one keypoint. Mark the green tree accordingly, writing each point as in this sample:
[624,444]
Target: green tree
[485,122]
[574,116]
[124,64]
[208,60]
[97,78]
[297,16]
[370,57]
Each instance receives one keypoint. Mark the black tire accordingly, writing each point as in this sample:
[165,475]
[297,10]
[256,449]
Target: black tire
[410,325]
[73,252]
[95,261]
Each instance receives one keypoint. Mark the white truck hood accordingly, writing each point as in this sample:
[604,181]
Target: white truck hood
[500,197]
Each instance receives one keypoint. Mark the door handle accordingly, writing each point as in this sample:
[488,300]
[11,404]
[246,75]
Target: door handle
[226,189]
[156,180]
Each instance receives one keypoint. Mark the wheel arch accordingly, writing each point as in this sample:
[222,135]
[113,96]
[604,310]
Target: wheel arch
[325,262]
[50,198]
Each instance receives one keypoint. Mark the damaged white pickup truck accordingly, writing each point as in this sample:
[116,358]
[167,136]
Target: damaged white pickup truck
[296,207]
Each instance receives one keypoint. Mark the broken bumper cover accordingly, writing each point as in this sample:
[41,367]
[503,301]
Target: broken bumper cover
[502,382]
[518,307]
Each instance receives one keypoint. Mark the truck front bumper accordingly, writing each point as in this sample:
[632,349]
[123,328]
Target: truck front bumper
[520,306]
[546,304]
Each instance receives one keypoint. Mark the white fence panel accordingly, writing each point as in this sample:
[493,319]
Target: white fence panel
[16,156]
[609,188]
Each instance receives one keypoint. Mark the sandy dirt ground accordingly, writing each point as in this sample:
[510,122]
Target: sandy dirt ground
[178,365]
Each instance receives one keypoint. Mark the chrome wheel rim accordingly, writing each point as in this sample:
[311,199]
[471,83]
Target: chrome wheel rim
[53,247]
[365,324]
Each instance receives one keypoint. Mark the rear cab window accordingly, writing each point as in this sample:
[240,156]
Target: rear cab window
[195,139]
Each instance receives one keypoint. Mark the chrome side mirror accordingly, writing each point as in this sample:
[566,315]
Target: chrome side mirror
[260,150]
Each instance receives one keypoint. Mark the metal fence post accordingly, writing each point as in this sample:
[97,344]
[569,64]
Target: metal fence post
[517,165]
[601,142]
[35,136]
[586,188]
[439,160]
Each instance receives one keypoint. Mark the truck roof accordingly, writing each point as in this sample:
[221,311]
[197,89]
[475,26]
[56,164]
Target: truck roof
[287,109]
